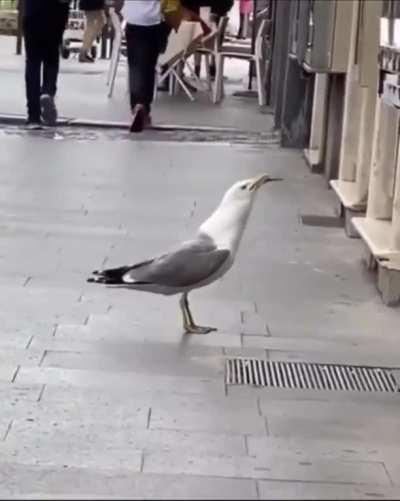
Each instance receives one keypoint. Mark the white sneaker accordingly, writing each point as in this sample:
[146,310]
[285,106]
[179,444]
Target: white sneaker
[49,110]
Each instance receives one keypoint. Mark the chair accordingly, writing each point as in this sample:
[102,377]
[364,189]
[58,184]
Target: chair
[181,44]
[259,57]
[198,50]
[233,42]
[212,44]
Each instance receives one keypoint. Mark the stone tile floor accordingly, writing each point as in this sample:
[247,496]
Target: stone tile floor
[102,395]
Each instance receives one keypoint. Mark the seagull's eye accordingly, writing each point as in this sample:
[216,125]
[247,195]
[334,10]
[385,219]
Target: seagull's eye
[243,187]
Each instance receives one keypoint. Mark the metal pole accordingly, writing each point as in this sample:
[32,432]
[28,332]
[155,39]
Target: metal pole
[253,43]
[272,17]
[20,8]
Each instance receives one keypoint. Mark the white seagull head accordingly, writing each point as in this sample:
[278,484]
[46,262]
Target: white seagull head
[226,225]
[244,192]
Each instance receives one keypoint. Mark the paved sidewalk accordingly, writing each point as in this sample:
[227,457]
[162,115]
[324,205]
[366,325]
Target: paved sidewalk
[82,94]
[102,395]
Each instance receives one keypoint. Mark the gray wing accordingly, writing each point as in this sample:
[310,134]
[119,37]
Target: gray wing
[191,263]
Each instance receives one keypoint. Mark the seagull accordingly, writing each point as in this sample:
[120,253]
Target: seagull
[197,262]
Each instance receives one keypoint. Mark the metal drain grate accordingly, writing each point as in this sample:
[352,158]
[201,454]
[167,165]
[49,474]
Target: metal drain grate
[321,221]
[309,376]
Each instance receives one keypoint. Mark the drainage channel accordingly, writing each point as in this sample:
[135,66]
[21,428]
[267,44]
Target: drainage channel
[168,134]
[309,376]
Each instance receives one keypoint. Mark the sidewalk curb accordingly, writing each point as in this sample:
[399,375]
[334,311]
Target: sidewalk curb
[16,119]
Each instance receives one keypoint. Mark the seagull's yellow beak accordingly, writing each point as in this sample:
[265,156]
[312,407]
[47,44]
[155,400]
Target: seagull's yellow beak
[260,180]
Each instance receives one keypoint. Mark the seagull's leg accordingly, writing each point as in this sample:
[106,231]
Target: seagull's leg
[188,322]
[186,317]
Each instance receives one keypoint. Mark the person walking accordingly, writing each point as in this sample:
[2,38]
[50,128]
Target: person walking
[43,24]
[95,21]
[146,38]
[245,9]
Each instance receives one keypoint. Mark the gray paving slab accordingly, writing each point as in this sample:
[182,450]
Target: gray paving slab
[293,344]
[277,468]
[357,428]
[308,449]
[149,332]
[141,381]
[378,357]
[323,490]
[127,358]
[268,394]
[328,409]
[64,454]
[213,420]
[14,393]
[168,359]
[25,482]
[7,372]
[246,352]
[18,356]
[253,323]
[31,439]
[135,416]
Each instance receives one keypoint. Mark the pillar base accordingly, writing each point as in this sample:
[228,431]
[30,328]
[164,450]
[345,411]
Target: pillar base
[313,160]
[376,236]
[389,285]
[348,207]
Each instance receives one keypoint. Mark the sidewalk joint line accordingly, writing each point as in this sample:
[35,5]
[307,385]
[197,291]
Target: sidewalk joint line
[148,419]
[266,426]
[41,392]
[15,374]
[387,473]
[26,282]
[29,342]
[42,358]
[7,430]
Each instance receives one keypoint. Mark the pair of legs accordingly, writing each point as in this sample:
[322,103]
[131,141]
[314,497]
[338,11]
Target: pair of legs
[42,47]
[144,45]
[95,21]
[243,26]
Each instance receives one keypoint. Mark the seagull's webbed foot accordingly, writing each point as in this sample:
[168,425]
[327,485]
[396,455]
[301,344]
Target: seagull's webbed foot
[188,323]
[198,329]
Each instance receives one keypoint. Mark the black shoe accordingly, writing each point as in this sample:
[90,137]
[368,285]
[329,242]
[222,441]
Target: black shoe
[49,110]
[84,57]
[139,118]
[33,125]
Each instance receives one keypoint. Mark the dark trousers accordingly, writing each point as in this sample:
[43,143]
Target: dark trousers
[144,44]
[42,47]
